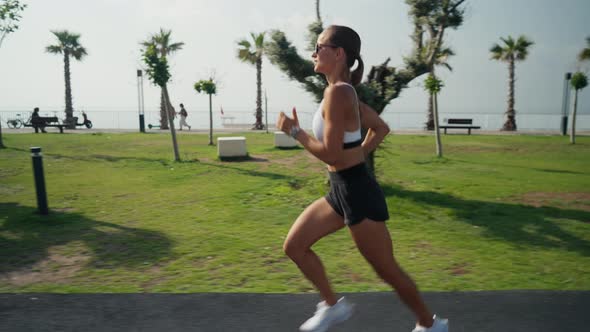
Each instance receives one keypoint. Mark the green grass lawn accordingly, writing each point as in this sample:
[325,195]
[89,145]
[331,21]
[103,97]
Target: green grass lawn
[497,212]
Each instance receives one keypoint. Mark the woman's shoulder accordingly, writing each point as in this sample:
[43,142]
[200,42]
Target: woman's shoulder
[339,90]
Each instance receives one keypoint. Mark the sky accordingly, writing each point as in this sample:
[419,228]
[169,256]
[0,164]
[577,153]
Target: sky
[111,31]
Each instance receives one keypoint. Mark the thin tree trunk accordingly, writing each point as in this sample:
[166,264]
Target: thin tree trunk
[210,120]
[2,37]
[573,132]
[171,123]
[429,125]
[163,116]
[70,123]
[439,151]
[510,124]
[258,124]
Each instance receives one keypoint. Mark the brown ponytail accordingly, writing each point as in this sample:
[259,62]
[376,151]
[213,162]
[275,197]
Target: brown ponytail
[357,75]
[350,41]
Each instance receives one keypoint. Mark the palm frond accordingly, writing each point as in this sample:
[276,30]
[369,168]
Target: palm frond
[175,46]
[79,53]
[55,49]
[245,44]
[246,56]
[497,52]
[585,53]
[508,41]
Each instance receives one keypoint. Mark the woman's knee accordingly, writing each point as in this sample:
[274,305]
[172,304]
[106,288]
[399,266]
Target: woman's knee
[294,250]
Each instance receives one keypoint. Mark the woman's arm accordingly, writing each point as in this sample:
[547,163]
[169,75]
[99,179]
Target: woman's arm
[337,100]
[377,128]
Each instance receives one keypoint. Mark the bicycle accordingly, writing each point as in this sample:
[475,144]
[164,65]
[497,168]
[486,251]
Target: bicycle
[15,123]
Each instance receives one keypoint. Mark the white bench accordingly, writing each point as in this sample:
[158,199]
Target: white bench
[231,147]
[283,140]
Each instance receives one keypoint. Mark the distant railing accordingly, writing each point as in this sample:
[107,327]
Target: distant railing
[199,119]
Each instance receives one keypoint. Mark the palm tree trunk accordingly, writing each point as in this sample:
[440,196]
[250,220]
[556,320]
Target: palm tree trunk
[70,123]
[258,124]
[573,132]
[171,123]
[317,10]
[210,120]
[163,116]
[439,152]
[510,124]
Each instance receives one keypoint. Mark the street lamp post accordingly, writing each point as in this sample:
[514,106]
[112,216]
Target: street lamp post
[266,110]
[140,101]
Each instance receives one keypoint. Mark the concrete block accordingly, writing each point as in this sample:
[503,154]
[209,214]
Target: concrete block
[283,140]
[231,147]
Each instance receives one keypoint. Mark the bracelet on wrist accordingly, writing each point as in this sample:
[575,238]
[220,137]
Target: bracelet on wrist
[294,131]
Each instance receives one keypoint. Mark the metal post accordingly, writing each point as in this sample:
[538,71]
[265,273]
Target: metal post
[37,158]
[1,143]
[266,109]
[140,101]
[565,104]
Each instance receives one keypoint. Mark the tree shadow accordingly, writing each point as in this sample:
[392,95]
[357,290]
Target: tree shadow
[517,223]
[248,172]
[94,157]
[26,237]
[546,170]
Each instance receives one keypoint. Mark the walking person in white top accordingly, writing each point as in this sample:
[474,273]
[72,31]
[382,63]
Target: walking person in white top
[355,198]
[183,114]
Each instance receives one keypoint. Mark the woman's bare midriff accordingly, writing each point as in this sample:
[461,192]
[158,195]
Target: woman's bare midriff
[349,158]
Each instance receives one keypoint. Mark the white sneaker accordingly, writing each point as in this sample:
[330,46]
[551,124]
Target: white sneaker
[326,316]
[439,325]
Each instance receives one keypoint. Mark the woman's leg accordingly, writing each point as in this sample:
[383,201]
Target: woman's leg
[374,242]
[316,221]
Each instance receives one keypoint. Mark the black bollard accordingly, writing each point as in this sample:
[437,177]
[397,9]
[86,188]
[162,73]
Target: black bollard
[39,180]
[141,123]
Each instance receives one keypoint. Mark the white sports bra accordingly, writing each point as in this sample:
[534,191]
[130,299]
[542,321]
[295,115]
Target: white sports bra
[351,138]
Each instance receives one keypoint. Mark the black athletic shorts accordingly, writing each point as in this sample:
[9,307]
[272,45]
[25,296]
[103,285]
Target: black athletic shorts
[356,195]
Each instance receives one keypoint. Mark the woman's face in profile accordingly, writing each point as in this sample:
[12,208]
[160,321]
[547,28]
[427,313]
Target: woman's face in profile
[323,55]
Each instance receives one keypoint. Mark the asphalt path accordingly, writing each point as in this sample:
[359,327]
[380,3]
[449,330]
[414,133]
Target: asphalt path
[501,311]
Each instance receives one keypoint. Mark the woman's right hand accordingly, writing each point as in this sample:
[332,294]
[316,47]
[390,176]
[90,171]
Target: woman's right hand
[285,123]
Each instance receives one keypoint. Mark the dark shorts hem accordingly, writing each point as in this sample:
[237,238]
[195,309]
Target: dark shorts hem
[355,195]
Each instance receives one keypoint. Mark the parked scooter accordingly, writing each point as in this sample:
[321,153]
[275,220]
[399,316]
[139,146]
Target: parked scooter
[86,122]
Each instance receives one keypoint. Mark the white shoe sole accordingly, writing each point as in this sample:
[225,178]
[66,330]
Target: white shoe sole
[326,327]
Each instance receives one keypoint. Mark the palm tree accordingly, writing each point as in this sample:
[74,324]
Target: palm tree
[512,51]
[162,42]
[433,86]
[209,87]
[252,53]
[441,59]
[69,45]
[585,53]
[579,81]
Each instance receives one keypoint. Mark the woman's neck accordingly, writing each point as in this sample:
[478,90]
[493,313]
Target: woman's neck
[338,76]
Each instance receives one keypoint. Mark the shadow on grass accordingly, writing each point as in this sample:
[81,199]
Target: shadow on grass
[516,223]
[94,157]
[249,172]
[546,170]
[26,237]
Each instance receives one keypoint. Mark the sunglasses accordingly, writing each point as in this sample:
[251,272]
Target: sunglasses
[318,47]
